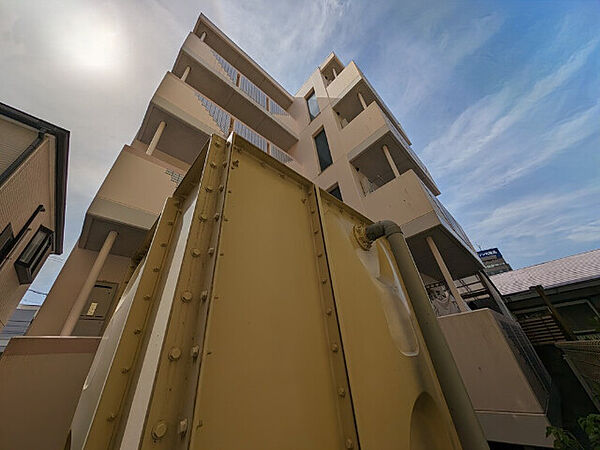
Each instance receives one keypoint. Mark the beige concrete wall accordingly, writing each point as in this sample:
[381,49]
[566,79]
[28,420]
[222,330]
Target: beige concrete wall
[42,379]
[32,184]
[60,299]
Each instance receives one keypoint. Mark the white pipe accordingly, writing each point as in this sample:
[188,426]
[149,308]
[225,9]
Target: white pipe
[88,285]
[203,36]
[186,72]
[446,274]
[334,73]
[362,101]
[157,134]
[387,154]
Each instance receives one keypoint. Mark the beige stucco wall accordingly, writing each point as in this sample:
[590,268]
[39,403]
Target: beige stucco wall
[32,184]
[60,299]
[42,379]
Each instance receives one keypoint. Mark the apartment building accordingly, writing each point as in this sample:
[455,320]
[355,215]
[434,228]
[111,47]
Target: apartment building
[337,132]
[33,182]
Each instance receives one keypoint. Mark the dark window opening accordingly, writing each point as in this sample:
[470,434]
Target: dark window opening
[313,105]
[323,150]
[336,192]
[6,240]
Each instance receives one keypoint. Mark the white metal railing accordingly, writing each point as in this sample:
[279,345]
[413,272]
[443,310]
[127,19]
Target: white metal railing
[219,115]
[249,87]
[224,119]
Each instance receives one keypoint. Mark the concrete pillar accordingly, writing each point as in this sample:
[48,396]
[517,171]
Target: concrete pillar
[334,73]
[446,274]
[203,36]
[88,285]
[362,101]
[186,72]
[386,152]
[157,134]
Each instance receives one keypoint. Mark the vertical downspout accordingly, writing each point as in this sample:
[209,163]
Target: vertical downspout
[459,404]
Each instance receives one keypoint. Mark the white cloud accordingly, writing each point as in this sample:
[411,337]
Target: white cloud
[589,232]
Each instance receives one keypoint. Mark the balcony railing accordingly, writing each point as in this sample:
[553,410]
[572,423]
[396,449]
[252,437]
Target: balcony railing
[247,86]
[224,121]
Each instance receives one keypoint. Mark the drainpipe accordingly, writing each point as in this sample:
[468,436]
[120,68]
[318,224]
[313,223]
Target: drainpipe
[203,36]
[88,285]
[462,305]
[186,72]
[334,73]
[157,134]
[388,156]
[362,101]
[459,404]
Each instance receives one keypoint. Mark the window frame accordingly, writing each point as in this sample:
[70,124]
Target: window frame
[308,96]
[314,139]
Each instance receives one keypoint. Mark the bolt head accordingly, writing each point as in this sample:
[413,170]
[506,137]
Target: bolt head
[335,348]
[349,443]
[196,252]
[186,296]
[174,353]
[183,426]
[159,430]
[195,351]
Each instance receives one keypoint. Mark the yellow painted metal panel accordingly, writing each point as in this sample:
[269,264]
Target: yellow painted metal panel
[397,399]
[266,379]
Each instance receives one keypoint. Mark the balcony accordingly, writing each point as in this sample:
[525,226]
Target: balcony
[408,201]
[216,77]
[129,205]
[372,129]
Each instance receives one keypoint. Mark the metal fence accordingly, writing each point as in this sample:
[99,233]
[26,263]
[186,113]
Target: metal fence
[584,359]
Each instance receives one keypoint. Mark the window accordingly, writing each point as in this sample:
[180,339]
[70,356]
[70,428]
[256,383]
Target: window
[323,150]
[313,105]
[30,261]
[6,240]
[580,316]
[335,191]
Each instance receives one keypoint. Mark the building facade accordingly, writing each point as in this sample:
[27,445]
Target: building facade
[337,132]
[33,182]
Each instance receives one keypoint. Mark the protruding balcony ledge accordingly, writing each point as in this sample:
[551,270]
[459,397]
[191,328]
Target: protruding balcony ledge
[407,201]
[373,130]
[209,73]
[216,39]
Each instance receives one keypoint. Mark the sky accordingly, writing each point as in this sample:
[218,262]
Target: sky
[501,99]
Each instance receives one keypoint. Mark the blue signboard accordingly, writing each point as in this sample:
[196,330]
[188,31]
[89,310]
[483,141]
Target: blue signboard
[494,252]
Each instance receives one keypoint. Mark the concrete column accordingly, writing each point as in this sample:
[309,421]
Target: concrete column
[362,101]
[386,152]
[157,134]
[334,73]
[203,36]
[88,285]
[186,72]
[446,274]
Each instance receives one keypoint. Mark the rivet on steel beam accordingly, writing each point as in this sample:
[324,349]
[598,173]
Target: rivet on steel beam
[224,163]
[155,269]
[349,443]
[200,423]
[183,425]
[147,297]
[217,216]
[174,353]
[335,348]
[341,392]
[329,311]
[137,331]
[202,218]
[316,232]
[303,200]
[204,296]
[211,251]
[125,369]
[111,417]
[212,164]
[186,296]
[159,430]
[208,188]
[236,162]
[221,187]
[163,244]
[324,280]
[319,255]
[196,252]
[195,351]
[312,211]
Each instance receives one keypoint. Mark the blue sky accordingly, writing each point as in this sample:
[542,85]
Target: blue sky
[501,99]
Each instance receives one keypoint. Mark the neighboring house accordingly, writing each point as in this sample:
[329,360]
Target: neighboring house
[33,181]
